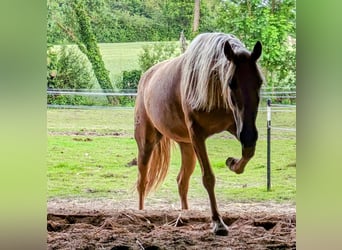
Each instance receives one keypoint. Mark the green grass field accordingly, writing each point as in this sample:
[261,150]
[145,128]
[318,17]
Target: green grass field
[119,57]
[88,151]
[123,56]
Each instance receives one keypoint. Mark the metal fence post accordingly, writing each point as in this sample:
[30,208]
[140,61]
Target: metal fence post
[268,145]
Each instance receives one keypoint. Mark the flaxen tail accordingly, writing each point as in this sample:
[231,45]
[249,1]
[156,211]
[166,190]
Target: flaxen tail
[158,164]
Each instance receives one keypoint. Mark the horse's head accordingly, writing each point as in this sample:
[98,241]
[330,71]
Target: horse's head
[243,95]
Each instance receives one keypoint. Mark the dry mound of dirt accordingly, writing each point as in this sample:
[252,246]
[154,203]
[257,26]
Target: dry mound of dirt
[168,229]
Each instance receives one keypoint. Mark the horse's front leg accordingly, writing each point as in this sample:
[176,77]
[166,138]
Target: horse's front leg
[208,178]
[238,165]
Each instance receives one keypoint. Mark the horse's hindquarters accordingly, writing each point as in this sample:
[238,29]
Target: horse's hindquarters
[162,101]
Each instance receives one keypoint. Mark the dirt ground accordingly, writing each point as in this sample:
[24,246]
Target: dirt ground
[104,224]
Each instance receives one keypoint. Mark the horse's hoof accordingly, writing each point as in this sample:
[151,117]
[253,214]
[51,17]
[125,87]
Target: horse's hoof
[220,229]
[230,163]
[221,232]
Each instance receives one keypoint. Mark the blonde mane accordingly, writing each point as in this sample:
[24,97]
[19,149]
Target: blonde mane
[207,71]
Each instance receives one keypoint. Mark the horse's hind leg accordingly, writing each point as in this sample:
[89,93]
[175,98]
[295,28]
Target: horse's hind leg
[187,168]
[146,137]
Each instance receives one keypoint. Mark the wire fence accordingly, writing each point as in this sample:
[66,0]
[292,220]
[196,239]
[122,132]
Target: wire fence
[280,126]
[94,95]
[90,93]
[290,93]
[283,124]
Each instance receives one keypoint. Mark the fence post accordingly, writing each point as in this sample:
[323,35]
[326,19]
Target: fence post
[268,145]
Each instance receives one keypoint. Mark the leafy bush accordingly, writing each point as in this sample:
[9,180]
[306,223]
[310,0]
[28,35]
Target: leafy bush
[68,69]
[130,79]
[70,100]
[128,83]
[72,69]
[157,52]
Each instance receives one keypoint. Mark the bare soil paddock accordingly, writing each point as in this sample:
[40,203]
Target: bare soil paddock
[104,224]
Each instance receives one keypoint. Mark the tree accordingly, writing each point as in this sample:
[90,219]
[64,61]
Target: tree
[87,43]
[178,17]
[270,22]
[196,16]
[126,20]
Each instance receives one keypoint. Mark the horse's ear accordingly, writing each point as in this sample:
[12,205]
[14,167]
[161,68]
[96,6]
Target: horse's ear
[256,53]
[228,51]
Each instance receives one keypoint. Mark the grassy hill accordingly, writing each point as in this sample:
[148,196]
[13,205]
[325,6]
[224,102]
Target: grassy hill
[119,57]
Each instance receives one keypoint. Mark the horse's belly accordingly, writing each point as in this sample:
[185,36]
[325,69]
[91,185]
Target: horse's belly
[169,123]
[169,120]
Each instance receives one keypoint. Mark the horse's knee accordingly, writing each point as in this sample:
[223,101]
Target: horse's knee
[178,179]
[208,181]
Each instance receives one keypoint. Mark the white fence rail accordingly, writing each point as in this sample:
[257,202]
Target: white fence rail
[285,94]
[264,93]
[83,93]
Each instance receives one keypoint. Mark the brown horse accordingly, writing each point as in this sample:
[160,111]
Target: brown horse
[213,87]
